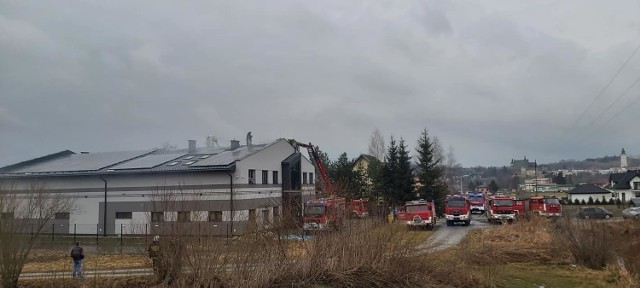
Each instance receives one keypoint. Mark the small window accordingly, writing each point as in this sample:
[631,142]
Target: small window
[215,216]
[205,156]
[7,215]
[265,216]
[184,216]
[190,162]
[124,215]
[173,163]
[265,177]
[252,215]
[252,176]
[157,217]
[275,177]
[636,185]
[189,157]
[304,177]
[310,178]
[276,211]
[62,216]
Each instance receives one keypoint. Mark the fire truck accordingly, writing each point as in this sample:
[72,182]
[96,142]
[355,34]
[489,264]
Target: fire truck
[358,208]
[500,208]
[324,214]
[332,209]
[477,200]
[457,209]
[539,206]
[419,214]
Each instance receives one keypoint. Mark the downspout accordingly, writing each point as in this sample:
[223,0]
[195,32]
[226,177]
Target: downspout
[231,196]
[104,215]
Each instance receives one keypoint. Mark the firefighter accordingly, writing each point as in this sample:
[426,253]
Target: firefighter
[154,254]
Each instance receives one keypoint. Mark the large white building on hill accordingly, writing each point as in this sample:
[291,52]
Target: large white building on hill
[205,190]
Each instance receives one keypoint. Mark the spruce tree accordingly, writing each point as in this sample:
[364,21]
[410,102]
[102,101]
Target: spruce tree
[390,168]
[404,175]
[430,176]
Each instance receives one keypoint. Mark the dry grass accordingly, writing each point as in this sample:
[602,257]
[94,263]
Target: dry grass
[51,261]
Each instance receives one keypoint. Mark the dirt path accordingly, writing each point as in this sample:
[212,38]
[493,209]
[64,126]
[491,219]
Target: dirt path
[447,236]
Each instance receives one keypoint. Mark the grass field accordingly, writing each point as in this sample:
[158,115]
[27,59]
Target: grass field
[545,275]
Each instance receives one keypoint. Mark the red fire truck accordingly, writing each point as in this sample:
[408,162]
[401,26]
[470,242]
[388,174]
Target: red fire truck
[359,208]
[477,200]
[324,214]
[500,208]
[418,214]
[539,206]
[457,209]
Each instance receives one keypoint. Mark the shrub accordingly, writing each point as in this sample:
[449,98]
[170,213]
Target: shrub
[611,202]
[597,202]
[576,202]
[583,203]
[587,241]
[590,202]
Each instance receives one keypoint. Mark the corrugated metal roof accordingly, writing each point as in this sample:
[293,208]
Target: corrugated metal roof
[80,162]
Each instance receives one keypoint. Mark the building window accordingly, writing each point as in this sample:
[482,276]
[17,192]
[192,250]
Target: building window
[637,195]
[265,216]
[310,178]
[304,177]
[636,185]
[157,217]
[276,211]
[124,215]
[184,216]
[275,177]
[252,176]
[7,215]
[62,216]
[265,177]
[215,216]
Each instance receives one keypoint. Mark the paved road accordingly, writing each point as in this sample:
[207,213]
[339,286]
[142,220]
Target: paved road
[446,236]
[88,274]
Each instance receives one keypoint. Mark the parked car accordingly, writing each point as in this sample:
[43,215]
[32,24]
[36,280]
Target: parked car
[593,213]
[633,213]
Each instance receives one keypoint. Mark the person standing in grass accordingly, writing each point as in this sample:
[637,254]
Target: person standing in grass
[77,254]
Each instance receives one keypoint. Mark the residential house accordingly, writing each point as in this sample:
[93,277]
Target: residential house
[214,190]
[625,186]
[585,191]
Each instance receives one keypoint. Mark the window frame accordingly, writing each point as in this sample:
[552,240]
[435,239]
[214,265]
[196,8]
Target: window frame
[311,179]
[215,217]
[62,216]
[129,215]
[181,216]
[252,176]
[265,176]
[304,178]
[157,219]
[274,175]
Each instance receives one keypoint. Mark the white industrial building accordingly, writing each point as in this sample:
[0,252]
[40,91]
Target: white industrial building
[244,187]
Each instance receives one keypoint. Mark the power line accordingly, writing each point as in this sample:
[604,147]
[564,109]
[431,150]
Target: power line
[614,102]
[615,76]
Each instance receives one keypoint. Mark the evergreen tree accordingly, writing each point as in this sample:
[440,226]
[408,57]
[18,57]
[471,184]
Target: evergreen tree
[576,202]
[493,186]
[404,175]
[375,173]
[433,188]
[471,186]
[583,203]
[590,202]
[597,202]
[389,172]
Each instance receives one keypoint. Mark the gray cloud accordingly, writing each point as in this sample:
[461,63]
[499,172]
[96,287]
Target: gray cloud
[495,79]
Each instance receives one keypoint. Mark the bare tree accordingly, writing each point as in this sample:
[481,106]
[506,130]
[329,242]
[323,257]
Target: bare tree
[451,158]
[438,151]
[376,145]
[24,215]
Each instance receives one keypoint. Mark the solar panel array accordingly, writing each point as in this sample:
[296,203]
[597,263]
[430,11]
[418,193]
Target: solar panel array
[145,162]
[80,162]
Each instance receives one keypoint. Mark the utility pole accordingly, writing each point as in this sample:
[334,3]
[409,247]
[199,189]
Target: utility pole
[535,171]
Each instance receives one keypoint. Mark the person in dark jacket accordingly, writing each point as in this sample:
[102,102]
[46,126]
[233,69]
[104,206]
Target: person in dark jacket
[77,254]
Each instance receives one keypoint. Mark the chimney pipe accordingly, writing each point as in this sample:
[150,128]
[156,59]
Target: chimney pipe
[235,144]
[192,146]
[249,138]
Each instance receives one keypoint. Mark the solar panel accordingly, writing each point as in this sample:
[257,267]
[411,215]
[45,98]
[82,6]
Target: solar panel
[148,161]
[80,162]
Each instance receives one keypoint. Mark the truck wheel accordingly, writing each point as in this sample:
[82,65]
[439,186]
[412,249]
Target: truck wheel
[449,223]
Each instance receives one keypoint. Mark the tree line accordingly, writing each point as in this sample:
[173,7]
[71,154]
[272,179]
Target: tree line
[391,175]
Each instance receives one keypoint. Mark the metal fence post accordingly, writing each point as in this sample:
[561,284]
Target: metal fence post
[97,233]
[227,233]
[75,226]
[146,232]
[53,231]
[121,226]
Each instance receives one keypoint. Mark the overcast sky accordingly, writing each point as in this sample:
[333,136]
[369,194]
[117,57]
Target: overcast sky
[494,79]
